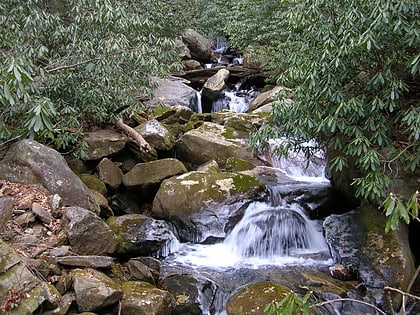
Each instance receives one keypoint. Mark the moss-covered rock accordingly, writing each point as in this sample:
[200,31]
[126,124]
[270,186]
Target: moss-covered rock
[211,141]
[237,165]
[253,298]
[142,298]
[94,290]
[193,199]
[93,182]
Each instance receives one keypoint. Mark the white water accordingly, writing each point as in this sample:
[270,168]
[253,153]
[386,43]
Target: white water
[270,233]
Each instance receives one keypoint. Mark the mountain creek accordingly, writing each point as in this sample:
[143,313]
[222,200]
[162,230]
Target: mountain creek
[202,224]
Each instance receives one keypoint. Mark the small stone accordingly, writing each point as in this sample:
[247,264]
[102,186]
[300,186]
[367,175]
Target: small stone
[25,218]
[41,213]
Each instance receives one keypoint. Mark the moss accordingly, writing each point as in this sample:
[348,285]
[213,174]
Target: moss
[253,298]
[229,133]
[94,183]
[234,164]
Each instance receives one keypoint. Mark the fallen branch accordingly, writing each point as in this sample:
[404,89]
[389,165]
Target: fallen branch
[144,146]
[348,300]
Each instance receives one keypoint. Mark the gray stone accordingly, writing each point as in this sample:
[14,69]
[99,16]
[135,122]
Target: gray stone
[192,65]
[181,49]
[358,241]
[87,233]
[140,271]
[94,290]
[156,135]
[29,162]
[141,235]
[110,173]
[42,213]
[173,93]
[150,174]
[215,84]
[144,298]
[200,47]
[103,143]
[271,96]
[86,261]
[212,141]
[6,210]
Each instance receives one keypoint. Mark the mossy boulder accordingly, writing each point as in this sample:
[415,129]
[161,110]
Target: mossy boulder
[93,182]
[138,234]
[252,299]
[212,141]
[142,298]
[191,201]
[237,165]
[94,290]
[358,241]
[146,177]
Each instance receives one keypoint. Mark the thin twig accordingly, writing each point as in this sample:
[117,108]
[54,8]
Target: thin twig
[349,300]
[403,293]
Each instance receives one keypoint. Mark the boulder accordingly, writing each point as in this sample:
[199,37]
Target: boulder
[94,290]
[200,47]
[138,234]
[29,162]
[87,233]
[211,141]
[144,298]
[192,65]
[181,49]
[146,177]
[271,96]
[104,143]
[358,241]
[252,299]
[173,93]
[191,202]
[215,84]
[93,182]
[86,261]
[173,118]
[156,135]
[110,173]
[192,292]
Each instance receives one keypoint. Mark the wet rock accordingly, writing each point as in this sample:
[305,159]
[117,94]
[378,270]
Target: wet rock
[358,241]
[339,271]
[200,47]
[94,290]
[138,234]
[139,271]
[29,162]
[211,141]
[87,233]
[190,291]
[156,135]
[145,178]
[215,84]
[86,261]
[253,298]
[6,210]
[110,173]
[103,143]
[216,195]
[144,298]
